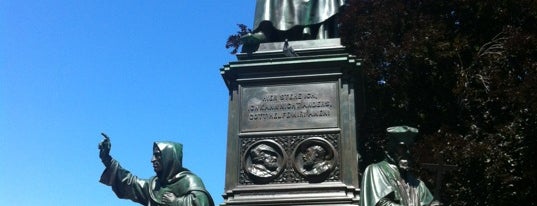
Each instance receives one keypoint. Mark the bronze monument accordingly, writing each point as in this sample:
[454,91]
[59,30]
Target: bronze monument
[278,20]
[173,184]
[390,182]
[293,110]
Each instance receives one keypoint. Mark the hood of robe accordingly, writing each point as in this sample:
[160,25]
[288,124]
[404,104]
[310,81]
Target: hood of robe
[171,161]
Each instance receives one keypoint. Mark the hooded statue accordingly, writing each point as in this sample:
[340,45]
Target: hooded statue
[277,20]
[390,182]
[173,185]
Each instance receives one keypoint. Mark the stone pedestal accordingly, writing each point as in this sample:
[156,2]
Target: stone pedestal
[292,126]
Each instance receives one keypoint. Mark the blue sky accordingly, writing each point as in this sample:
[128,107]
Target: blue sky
[140,71]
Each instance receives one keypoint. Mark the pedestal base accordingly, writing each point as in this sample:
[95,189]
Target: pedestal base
[292,126]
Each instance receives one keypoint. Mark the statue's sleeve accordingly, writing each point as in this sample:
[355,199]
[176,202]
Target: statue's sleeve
[124,184]
[375,186]
[195,198]
[425,195]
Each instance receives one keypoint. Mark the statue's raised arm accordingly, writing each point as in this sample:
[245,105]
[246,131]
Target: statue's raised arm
[104,150]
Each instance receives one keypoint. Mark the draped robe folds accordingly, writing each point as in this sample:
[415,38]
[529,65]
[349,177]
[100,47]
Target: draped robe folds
[188,188]
[173,178]
[284,15]
[382,181]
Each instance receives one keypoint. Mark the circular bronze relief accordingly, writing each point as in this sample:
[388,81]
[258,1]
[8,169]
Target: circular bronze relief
[314,158]
[263,161]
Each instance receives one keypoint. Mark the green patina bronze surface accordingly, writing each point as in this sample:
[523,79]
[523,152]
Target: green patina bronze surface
[277,20]
[382,184]
[390,182]
[286,14]
[173,185]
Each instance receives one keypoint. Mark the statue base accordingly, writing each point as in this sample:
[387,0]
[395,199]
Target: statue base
[303,48]
[292,125]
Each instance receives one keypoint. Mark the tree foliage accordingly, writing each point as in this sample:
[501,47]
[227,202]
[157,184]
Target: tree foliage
[233,41]
[465,73]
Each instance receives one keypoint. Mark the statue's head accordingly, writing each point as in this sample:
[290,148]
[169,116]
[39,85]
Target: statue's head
[167,160]
[265,155]
[400,139]
[313,155]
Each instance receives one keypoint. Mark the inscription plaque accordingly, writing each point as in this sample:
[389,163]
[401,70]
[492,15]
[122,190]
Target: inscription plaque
[288,107]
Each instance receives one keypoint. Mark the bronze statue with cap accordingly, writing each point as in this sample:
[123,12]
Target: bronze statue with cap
[390,181]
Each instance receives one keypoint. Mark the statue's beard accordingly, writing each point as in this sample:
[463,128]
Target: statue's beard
[403,164]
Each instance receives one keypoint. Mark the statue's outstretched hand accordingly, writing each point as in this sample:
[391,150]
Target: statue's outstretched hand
[104,150]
